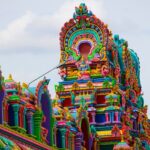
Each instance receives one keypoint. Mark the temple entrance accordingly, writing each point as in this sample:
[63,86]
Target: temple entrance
[85,130]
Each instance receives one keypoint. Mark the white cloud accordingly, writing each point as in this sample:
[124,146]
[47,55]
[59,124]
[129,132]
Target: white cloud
[15,32]
[33,32]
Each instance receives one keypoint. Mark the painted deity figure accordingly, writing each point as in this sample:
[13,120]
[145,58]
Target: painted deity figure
[83,67]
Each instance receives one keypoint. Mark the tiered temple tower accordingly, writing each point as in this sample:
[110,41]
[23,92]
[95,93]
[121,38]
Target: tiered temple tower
[27,121]
[99,102]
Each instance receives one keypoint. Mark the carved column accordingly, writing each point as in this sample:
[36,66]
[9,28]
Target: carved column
[15,109]
[78,141]
[106,115]
[94,144]
[112,117]
[55,136]
[5,112]
[63,137]
[71,141]
[67,138]
[93,117]
[119,116]
[29,122]
[37,124]
[24,118]
[21,117]
[2,109]
[116,114]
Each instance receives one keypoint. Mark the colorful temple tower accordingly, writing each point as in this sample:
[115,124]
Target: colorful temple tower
[27,121]
[98,103]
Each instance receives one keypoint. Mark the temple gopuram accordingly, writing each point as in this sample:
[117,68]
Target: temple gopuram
[98,104]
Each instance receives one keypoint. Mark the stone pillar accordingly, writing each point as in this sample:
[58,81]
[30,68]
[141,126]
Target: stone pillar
[29,121]
[106,115]
[67,138]
[94,144]
[1,97]
[119,116]
[112,117]
[37,117]
[93,117]
[116,114]
[63,137]
[71,142]
[52,131]
[55,136]
[24,118]
[21,117]
[98,146]
[1,103]
[5,112]
[15,109]
[78,141]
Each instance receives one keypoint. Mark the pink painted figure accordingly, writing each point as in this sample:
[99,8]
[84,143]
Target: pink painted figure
[105,70]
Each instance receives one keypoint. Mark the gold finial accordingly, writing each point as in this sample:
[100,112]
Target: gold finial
[55,100]
[56,97]
[122,138]
[25,85]
[10,77]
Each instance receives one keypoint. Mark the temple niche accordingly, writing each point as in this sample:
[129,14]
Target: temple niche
[98,104]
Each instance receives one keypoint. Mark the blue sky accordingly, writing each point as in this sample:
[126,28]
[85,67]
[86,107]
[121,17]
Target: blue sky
[29,34]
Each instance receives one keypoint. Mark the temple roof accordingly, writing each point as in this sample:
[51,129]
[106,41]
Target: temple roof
[122,146]
[7,144]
